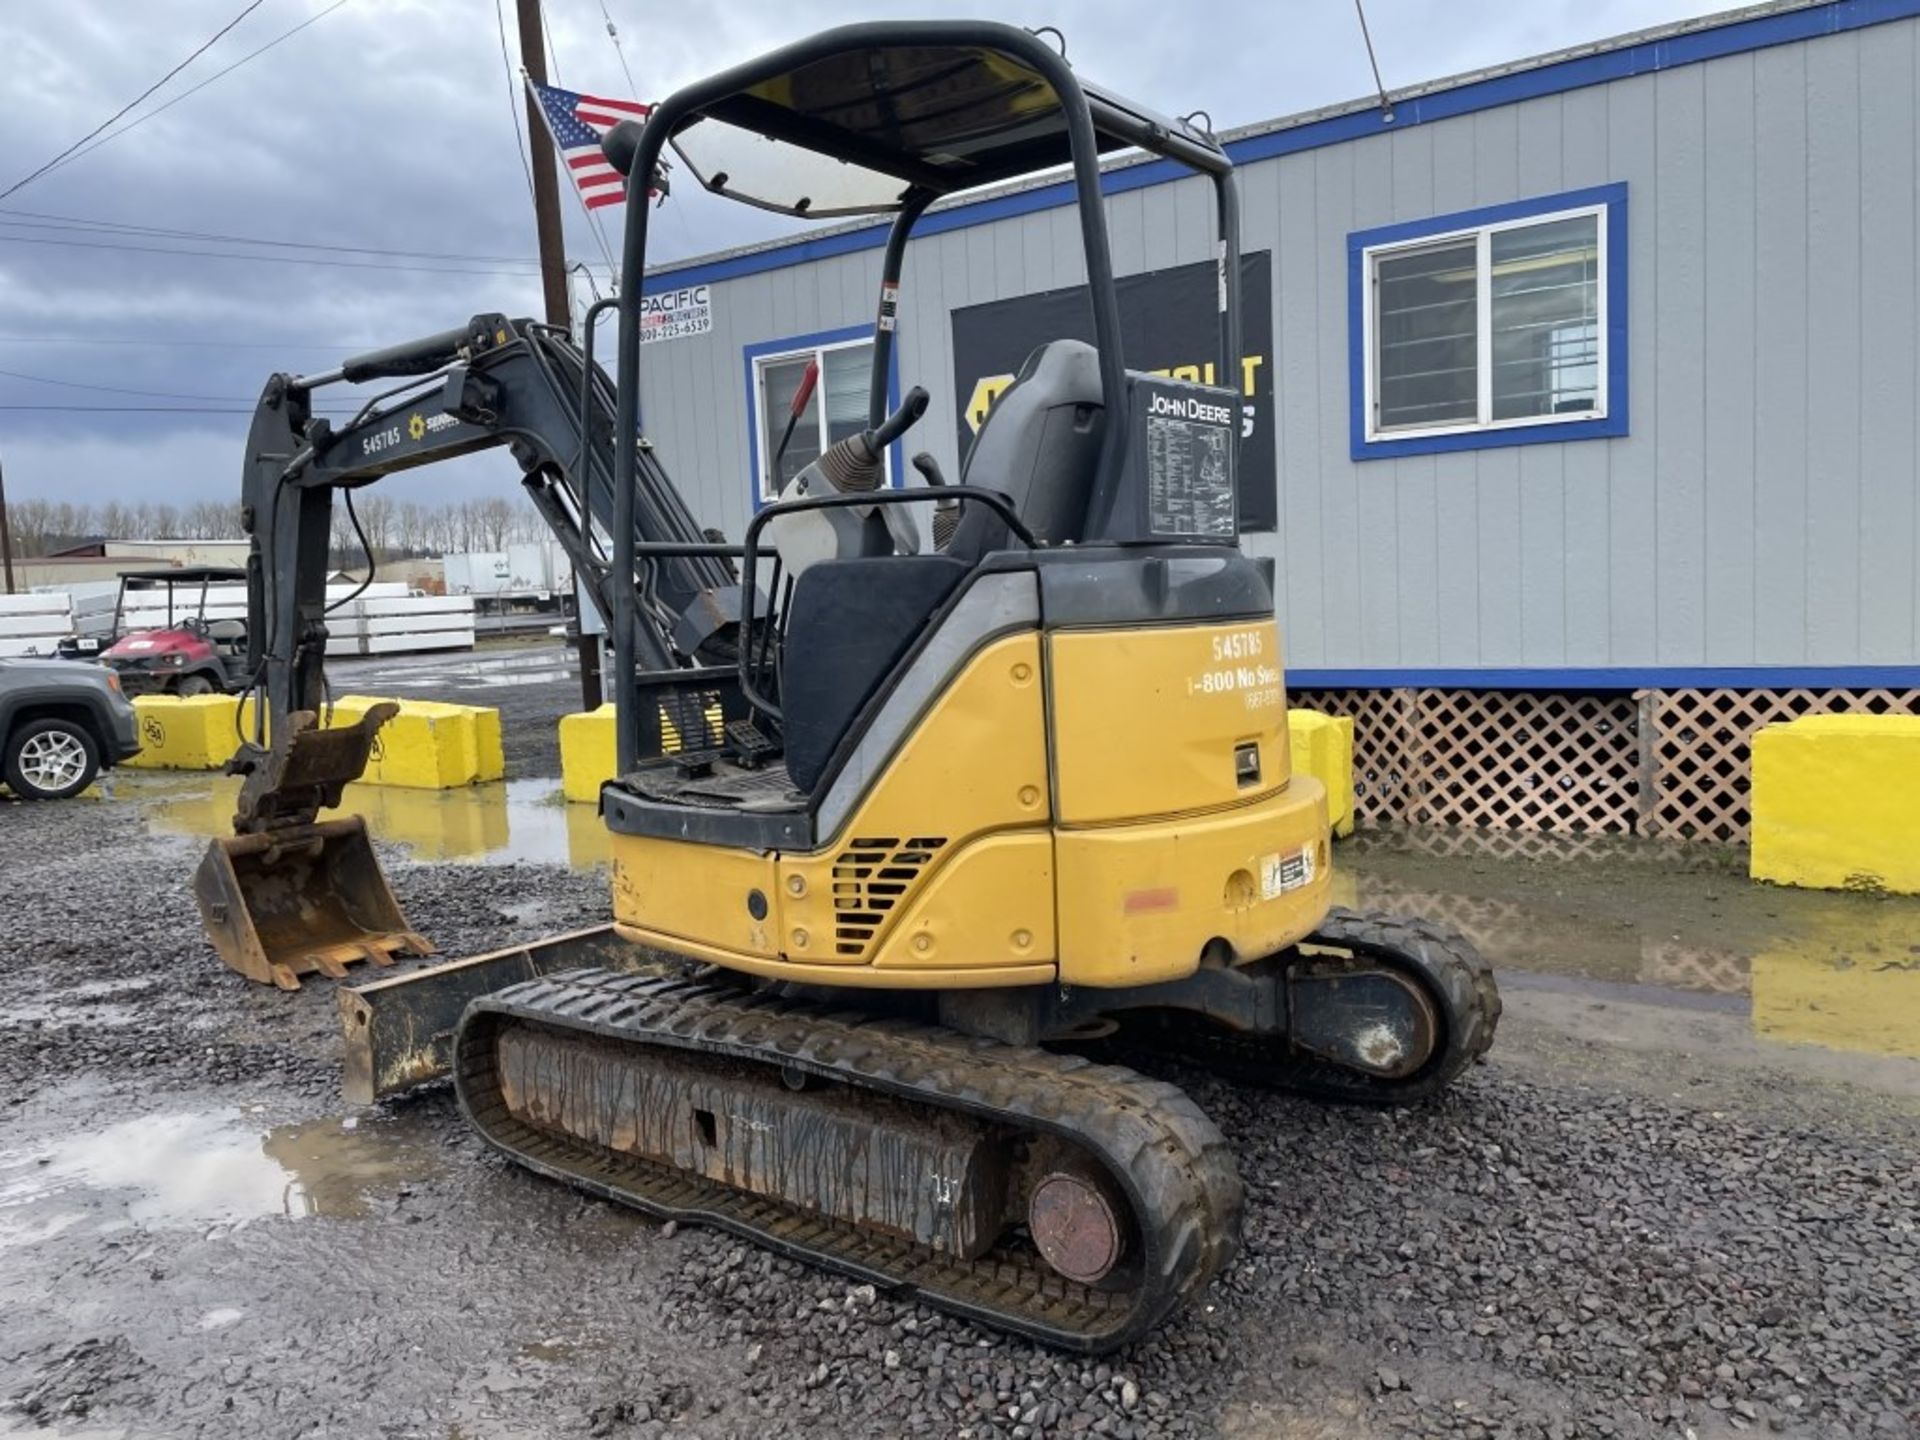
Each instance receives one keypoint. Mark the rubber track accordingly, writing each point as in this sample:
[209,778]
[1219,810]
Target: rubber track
[1455,975]
[1171,1162]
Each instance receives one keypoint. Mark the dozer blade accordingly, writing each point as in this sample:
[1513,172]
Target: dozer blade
[289,893]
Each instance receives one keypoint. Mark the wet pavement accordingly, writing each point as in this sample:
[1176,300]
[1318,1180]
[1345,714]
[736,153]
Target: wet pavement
[1681,1198]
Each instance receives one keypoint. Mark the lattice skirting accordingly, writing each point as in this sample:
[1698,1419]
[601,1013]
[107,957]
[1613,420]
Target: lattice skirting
[1669,763]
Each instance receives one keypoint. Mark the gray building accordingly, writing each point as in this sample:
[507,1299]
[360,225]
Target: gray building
[1595,373]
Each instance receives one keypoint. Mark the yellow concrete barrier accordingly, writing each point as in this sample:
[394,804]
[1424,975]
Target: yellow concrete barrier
[1836,803]
[430,745]
[586,754]
[1322,746]
[194,732]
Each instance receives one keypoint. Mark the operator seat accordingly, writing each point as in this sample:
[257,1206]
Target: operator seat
[852,622]
[1039,446]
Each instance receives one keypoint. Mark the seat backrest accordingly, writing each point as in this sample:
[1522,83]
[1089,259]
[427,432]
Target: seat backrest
[227,631]
[1039,446]
[848,625]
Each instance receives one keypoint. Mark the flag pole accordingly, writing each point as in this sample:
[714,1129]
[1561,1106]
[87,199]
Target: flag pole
[546,186]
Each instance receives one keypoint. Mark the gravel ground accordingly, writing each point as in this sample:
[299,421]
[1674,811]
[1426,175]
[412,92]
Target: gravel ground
[1578,1241]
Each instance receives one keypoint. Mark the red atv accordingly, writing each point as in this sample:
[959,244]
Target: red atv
[178,649]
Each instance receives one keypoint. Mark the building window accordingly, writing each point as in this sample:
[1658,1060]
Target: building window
[836,409]
[1500,326]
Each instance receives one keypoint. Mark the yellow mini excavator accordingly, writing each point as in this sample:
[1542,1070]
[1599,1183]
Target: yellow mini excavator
[900,829]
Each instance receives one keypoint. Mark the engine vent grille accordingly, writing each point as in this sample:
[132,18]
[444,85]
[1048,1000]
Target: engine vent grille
[870,878]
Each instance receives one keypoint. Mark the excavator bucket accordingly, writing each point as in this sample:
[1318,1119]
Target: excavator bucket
[290,893]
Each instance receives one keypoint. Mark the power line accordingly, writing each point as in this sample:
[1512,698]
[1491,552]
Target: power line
[614,35]
[263,259]
[348,346]
[513,99]
[1386,105]
[140,120]
[204,46]
[236,409]
[113,389]
[41,220]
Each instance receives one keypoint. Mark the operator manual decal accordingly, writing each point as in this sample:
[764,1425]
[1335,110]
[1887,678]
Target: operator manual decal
[1189,466]
[676,313]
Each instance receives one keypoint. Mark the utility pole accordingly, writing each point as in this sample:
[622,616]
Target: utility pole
[6,532]
[546,184]
[553,261]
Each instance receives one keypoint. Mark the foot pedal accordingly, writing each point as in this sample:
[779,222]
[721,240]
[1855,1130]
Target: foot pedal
[751,745]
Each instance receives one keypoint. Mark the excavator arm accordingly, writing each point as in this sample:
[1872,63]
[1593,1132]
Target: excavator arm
[288,892]
[494,382]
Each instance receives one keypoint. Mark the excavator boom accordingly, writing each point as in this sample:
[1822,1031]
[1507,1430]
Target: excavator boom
[288,894]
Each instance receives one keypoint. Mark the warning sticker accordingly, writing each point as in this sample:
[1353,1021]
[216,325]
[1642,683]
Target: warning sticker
[1280,873]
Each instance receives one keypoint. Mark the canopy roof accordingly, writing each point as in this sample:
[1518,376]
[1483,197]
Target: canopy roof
[187,575]
[853,131]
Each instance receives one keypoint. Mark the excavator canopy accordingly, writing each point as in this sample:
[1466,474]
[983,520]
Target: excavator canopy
[852,131]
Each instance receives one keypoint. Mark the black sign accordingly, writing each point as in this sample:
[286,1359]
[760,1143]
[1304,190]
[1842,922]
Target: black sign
[1169,324]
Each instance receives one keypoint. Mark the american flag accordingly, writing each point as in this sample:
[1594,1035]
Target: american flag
[576,123]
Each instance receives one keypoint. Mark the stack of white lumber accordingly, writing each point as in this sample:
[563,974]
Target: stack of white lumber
[33,624]
[401,624]
[147,609]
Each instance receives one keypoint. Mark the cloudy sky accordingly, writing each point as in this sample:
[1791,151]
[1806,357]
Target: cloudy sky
[131,274]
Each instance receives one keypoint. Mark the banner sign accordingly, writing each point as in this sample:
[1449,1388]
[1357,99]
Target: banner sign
[676,313]
[1169,324]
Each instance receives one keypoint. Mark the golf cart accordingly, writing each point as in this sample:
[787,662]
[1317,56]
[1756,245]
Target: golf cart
[163,642]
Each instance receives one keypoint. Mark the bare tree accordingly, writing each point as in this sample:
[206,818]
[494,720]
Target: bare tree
[410,524]
[376,519]
[495,520]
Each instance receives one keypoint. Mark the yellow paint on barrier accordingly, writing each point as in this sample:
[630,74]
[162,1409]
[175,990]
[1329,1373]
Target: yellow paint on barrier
[1322,746]
[1836,803]
[586,754]
[194,732]
[430,745]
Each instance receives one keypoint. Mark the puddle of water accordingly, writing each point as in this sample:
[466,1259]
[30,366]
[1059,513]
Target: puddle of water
[498,823]
[1841,971]
[198,1168]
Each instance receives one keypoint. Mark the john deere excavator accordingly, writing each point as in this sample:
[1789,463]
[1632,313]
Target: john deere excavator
[898,830]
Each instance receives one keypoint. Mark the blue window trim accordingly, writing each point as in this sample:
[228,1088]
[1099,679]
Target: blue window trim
[1614,677]
[1614,422]
[761,348]
[1670,52]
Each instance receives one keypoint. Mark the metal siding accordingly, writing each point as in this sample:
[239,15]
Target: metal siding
[1833,347]
[1679,374]
[1376,501]
[1339,509]
[1297,279]
[1632,574]
[1729,317]
[1781,362]
[1887,439]
[1762,511]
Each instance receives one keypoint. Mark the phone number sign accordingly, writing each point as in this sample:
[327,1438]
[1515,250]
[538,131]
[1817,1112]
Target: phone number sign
[674,314]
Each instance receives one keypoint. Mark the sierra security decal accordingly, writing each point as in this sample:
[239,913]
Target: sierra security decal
[1168,324]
